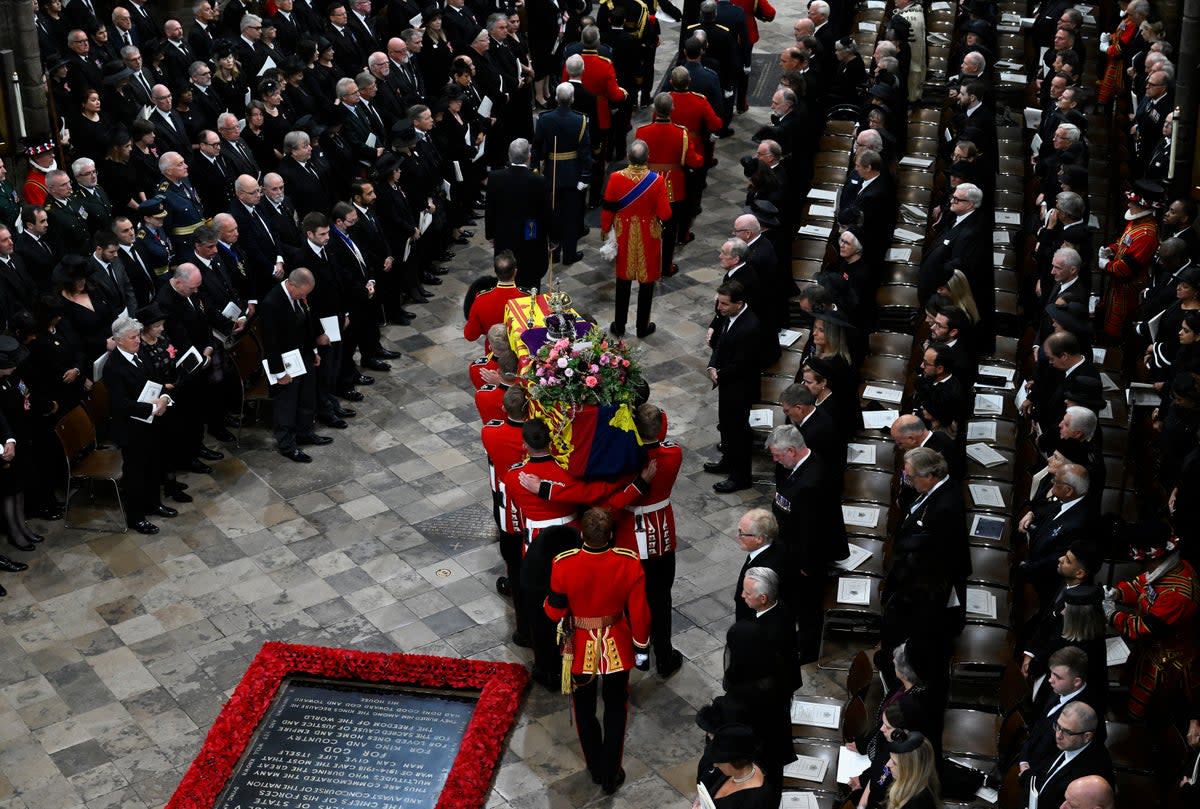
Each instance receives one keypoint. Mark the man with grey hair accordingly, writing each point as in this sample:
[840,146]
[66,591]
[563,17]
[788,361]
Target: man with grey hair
[636,204]
[961,242]
[760,592]
[756,533]
[248,47]
[289,325]
[360,129]
[307,179]
[204,98]
[808,509]
[234,150]
[1050,530]
[563,149]
[1078,754]
[909,432]
[1065,268]
[125,377]
[938,514]
[69,231]
[517,215]
[91,196]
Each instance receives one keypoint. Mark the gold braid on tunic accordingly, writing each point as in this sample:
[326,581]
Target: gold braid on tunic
[635,254]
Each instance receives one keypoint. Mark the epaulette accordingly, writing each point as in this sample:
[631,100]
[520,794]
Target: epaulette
[494,422]
[724,28]
[164,186]
[574,551]
[626,552]
[488,387]
[480,360]
[141,232]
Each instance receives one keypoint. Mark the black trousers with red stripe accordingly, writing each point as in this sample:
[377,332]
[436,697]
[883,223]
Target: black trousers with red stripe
[602,749]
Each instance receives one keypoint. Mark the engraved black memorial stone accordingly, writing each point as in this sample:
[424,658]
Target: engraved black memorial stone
[331,746]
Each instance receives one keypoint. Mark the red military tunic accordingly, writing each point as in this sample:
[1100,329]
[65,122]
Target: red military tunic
[504,447]
[34,191]
[638,224]
[604,593]
[694,113]
[476,368]
[489,401]
[488,309]
[1163,624]
[755,10]
[1129,269]
[671,148]
[558,500]
[600,78]
[647,524]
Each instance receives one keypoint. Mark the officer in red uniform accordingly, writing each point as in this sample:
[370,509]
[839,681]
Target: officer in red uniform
[635,206]
[485,368]
[598,592]
[503,445]
[1157,612]
[488,307]
[1127,260]
[647,526]
[693,111]
[600,79]
[489,399]
[672,152]
[540,494]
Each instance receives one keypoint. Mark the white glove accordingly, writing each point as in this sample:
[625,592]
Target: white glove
[1111,593]
[1103,262]
[642,661]
[746,70]
[581,186]
[1109,609]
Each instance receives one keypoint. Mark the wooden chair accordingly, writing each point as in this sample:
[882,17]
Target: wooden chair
[1132,747]
[77,437]
[867,486]
[981,652]
[891,344]
[787,366]
[882,368]
[860,676]
[971,733]
[827,753]
[247,357]
[772,387]
[990,566]
[99,410]
[885,455]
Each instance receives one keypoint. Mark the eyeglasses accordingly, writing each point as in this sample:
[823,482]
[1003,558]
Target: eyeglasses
[1064,731]
[959,199]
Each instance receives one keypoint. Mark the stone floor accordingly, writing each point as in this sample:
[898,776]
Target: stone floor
[119,650]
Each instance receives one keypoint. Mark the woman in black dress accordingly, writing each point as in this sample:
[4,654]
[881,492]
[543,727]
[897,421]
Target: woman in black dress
[275,122]
[735,781]
[17,454]
[143,156]
[436,53]
[754,679]
[844,408]
[87,314]
[176,427]
[227,78]
[89,128]
[118,175]
[912,769]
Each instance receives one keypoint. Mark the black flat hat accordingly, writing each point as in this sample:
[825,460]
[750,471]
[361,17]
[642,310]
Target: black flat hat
[733,743]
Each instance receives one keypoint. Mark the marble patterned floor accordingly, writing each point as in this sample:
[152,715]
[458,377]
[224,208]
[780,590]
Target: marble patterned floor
[117,650]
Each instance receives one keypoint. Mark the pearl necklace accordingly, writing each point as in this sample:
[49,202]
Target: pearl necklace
[743,779]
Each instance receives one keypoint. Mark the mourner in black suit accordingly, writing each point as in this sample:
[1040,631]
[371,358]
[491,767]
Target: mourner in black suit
[939,511]
[757,535]
[809,512]
[1053,527]
[306,180]
[289,325]
[141,474]
[1078,753]
[518,214]
[735,369]
[760,592]
[32,246]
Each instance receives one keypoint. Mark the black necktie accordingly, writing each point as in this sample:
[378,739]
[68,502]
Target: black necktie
[137,363]
[125,37]
[263,225]
[44,246]
[324,257]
